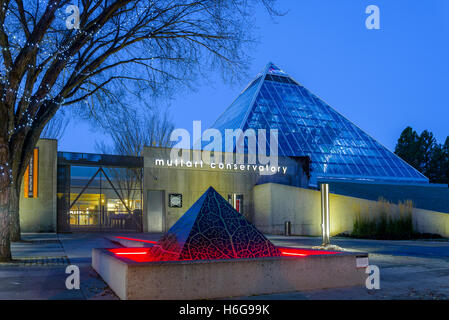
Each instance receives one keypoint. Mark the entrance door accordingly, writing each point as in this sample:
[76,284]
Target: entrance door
[156,210]
[96,203]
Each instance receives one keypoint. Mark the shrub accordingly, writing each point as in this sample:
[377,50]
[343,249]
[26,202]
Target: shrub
[386,222]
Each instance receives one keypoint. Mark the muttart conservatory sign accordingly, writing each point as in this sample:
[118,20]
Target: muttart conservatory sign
[266,169]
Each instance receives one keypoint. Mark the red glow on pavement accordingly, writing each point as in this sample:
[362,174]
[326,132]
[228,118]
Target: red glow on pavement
[138,240]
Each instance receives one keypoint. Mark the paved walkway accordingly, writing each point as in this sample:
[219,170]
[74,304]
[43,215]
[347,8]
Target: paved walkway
[38,272]
[409,269]
[40,261]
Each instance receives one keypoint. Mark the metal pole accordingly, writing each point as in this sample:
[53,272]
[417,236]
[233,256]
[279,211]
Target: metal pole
[325,216]
[287,228]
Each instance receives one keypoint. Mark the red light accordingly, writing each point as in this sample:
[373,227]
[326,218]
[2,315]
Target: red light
[294,254]
[303,252]
[138,254]
[127,253]
[130,250]
[134,254]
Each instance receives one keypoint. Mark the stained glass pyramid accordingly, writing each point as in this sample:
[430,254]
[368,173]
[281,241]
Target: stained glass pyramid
[307,126]
[212,229]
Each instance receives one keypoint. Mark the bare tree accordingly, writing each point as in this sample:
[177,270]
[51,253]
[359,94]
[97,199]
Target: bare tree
[130,133]
[56,127]
[52,62]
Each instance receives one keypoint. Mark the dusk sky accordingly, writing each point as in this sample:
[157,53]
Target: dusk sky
[382,80]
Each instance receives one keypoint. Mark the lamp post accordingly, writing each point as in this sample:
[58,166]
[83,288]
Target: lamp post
[325,221]
[325,216]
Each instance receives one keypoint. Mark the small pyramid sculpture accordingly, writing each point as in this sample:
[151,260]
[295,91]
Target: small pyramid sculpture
[212,229]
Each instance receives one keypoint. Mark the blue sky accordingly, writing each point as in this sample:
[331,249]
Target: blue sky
[381,80]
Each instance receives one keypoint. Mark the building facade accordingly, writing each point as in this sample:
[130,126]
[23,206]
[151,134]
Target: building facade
[170,189]
[80,192]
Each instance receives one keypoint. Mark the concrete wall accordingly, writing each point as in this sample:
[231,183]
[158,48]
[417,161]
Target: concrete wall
[275,204]
[192,182]
[431,221]
[39,214]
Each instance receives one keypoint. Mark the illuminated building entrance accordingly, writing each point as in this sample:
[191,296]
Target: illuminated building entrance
[99,192]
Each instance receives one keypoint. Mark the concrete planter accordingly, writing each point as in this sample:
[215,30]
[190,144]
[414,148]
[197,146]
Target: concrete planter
[209,279]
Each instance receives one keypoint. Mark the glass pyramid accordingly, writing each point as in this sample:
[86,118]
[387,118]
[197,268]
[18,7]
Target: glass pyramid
[307,126]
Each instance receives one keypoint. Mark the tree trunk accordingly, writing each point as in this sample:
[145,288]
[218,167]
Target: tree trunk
[5,189]
[14,213]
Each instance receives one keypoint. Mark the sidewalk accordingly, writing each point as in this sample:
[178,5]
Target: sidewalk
[78,248]
[38,271]
[40,261]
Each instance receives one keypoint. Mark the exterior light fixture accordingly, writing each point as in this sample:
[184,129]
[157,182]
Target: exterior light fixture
[325,216]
